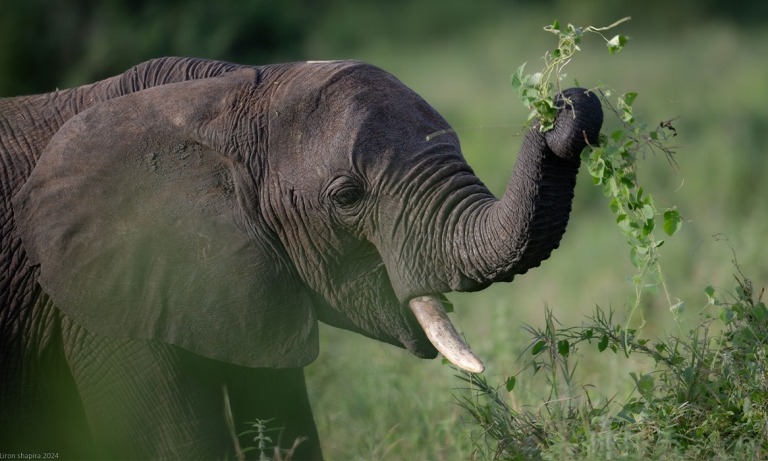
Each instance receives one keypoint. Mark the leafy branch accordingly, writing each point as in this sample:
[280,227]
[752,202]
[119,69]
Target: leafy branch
[612,163]
[537,89]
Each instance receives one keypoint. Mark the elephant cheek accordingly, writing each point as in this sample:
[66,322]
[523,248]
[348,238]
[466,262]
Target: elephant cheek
[367,305]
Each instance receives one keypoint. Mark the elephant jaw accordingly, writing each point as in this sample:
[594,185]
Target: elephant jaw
[431,315]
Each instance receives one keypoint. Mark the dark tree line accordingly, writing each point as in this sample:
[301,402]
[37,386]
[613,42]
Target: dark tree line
[46,44]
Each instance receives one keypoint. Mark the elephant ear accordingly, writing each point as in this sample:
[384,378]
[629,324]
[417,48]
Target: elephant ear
[137,223]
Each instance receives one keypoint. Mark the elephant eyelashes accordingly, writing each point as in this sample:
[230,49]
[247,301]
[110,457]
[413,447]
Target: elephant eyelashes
[345,192]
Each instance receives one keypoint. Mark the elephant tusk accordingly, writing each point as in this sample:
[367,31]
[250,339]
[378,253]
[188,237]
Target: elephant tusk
[442,334]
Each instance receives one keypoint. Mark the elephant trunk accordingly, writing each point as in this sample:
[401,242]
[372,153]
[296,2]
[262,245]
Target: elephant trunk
[518,232]
[492,240]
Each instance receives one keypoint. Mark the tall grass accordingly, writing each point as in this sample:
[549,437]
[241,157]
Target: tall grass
[375,402]
[700,395]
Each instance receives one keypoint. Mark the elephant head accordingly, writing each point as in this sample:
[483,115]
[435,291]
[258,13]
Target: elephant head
[227,214]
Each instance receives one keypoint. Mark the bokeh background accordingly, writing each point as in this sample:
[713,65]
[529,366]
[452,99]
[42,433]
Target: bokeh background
[700,63]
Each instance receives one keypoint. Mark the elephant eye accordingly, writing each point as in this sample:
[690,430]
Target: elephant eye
[345,192]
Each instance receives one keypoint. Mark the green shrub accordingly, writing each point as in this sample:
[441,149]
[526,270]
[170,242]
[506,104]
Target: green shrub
[695,395]
[704,397]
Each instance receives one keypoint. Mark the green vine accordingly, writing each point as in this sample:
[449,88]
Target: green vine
[537,89]
[612,163]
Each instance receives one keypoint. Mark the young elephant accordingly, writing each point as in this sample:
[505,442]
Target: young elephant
[177,231]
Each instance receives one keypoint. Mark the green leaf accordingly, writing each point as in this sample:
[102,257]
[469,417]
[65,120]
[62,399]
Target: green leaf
[627,225]
[510,384]
[563,347]
[644,384]
[615,206]
[546,125]
[538,347]
[518,79]
[760,312]
[648,211]
[618,135]
[648,227]
[672,222]
[617,43]
[603,343]
[628,98]
[597,169]
[710,291]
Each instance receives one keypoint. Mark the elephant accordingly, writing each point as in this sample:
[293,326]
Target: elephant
[172,235]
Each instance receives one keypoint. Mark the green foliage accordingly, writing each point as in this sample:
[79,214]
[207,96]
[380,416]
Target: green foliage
[704,397]
[264,444]
[700,395]
[257,434]
[613,167]
[612,163]
[536,90]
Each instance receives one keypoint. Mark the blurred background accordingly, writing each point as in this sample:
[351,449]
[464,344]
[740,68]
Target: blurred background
[699,63]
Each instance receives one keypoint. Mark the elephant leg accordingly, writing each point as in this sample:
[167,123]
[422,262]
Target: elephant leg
[279,396]
[40,410]
[144,399]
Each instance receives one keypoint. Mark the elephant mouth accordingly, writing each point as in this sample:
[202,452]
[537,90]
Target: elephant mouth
[431,315]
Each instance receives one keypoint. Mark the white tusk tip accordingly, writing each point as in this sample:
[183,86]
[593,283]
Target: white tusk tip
[442,334]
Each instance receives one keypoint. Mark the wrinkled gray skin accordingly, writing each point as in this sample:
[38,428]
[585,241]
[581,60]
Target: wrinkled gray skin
[183,226]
